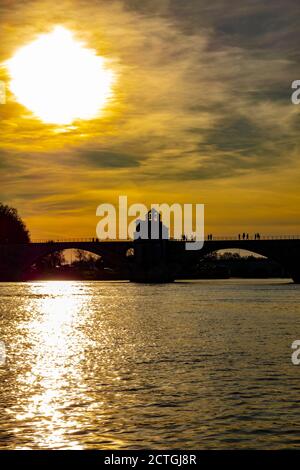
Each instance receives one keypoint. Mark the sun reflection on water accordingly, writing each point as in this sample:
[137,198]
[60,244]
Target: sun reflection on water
[57,350]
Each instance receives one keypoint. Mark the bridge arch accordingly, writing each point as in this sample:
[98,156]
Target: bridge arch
[244,263]
[113,253]
[284,252]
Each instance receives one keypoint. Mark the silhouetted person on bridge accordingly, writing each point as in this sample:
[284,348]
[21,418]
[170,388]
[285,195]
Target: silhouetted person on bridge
[244,235]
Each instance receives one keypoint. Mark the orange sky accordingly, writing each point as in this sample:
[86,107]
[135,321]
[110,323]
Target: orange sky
[200,113]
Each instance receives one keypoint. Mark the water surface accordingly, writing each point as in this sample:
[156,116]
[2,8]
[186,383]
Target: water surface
[203,364]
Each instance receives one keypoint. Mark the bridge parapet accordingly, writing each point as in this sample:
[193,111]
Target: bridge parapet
[215,238]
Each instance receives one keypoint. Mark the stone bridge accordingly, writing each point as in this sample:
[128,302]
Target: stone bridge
[153,260]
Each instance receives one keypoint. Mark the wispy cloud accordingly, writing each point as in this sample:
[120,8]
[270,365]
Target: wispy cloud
[203,94]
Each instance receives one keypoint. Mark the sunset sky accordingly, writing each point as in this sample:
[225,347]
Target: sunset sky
[200,112]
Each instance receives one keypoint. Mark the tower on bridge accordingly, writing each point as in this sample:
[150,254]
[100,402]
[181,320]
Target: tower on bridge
[150,250]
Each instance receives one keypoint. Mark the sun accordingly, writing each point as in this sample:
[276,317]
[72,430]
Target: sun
[59,79]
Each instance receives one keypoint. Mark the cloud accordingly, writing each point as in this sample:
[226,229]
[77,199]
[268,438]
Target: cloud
[106,159]
[202,93]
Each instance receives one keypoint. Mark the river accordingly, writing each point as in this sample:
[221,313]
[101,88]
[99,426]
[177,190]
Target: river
[189,365]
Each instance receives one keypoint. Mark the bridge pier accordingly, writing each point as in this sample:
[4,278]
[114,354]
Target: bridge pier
[290,259]
[296,278]
[294,272]
[150,262]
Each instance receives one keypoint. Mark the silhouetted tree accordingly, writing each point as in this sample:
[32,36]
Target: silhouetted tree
[84,259]
[12,227]
[52,261]
[213,256]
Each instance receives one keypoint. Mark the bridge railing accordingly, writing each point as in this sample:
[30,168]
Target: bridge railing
[214,238]
[68,240]
[253,238]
